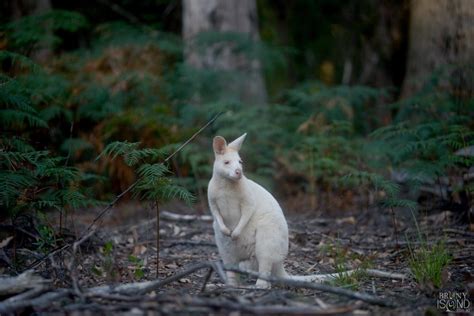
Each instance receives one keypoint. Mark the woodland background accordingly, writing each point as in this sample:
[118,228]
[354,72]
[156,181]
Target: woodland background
[348,105]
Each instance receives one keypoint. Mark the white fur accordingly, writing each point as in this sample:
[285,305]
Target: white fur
[249,225]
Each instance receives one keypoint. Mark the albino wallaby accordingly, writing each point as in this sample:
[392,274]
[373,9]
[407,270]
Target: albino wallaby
[249,225]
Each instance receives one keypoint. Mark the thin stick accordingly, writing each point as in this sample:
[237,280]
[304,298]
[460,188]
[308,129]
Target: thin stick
[109,206]
[157,238]
[86,232]
[154,285]
[206,279]
[395,228]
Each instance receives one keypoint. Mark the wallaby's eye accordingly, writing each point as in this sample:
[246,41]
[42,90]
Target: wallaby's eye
[241,162]
[226,162]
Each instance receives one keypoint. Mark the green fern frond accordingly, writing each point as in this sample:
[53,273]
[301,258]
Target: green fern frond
[374,179]
[392,131]
[15,144]
[152,173]
[163,190]
[44,204]
[12,184]
[11,118]
[58,173]
[403,203]
[118,148]
[52,112]
[20,61]
[173,191]
[11,159]
[135,156]
[33,30]
[74,145]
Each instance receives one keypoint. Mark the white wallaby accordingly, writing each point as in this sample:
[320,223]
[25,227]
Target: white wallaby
[250,229]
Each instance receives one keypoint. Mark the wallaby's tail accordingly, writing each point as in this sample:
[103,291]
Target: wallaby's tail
[331,276]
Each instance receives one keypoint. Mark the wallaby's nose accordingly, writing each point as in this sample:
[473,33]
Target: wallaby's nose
[238,172]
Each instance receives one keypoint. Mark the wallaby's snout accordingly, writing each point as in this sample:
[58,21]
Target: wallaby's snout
[238,173]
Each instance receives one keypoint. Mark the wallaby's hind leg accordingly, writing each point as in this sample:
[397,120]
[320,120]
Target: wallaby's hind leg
[232,277]
[279,270]
[227,252]
[270,251]
[264,268]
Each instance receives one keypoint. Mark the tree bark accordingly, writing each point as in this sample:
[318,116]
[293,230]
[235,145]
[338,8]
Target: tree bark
[225,16]
[441,33]
[22,8]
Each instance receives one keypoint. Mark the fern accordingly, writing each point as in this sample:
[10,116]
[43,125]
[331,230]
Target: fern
[377,181]
[153,183]
[429,129]
[131,154]
[136,156]
[12,117]
[31,179]
[152,174]
[38,30]
[118,148]
[397,202]
[12,185]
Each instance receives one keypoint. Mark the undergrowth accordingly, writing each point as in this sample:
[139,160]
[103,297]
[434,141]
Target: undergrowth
[428,264]
[344,261]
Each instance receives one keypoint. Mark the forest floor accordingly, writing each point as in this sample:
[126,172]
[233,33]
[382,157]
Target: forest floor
[124,251]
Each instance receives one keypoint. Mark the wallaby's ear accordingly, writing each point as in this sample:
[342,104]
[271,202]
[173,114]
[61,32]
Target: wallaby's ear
[219,145]
[236,144]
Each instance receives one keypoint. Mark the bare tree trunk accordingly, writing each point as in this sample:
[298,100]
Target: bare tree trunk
[225,16]
[441,33]
[22,8]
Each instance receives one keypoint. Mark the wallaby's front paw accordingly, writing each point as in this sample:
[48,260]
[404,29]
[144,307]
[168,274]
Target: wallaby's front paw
[225,231]
[235,234]
[262,284]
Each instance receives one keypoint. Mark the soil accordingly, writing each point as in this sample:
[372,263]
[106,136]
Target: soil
[124,251]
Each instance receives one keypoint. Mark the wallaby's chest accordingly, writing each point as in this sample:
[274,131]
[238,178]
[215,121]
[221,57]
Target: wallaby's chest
[229,207]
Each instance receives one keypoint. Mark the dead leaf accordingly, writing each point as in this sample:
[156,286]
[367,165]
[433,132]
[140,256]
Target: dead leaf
[171,266]
[346,220]
[139,250]
[184,280]
[461,242]
[5,242]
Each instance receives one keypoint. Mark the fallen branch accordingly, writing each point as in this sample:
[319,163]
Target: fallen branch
[148,286]
[458,231]
[34,292]
[188,218]
[385,274]
[140,288]
[369,272]
[249,308]
[174,242]
[135,292]
[38,302]
[25,281]
[320,287]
